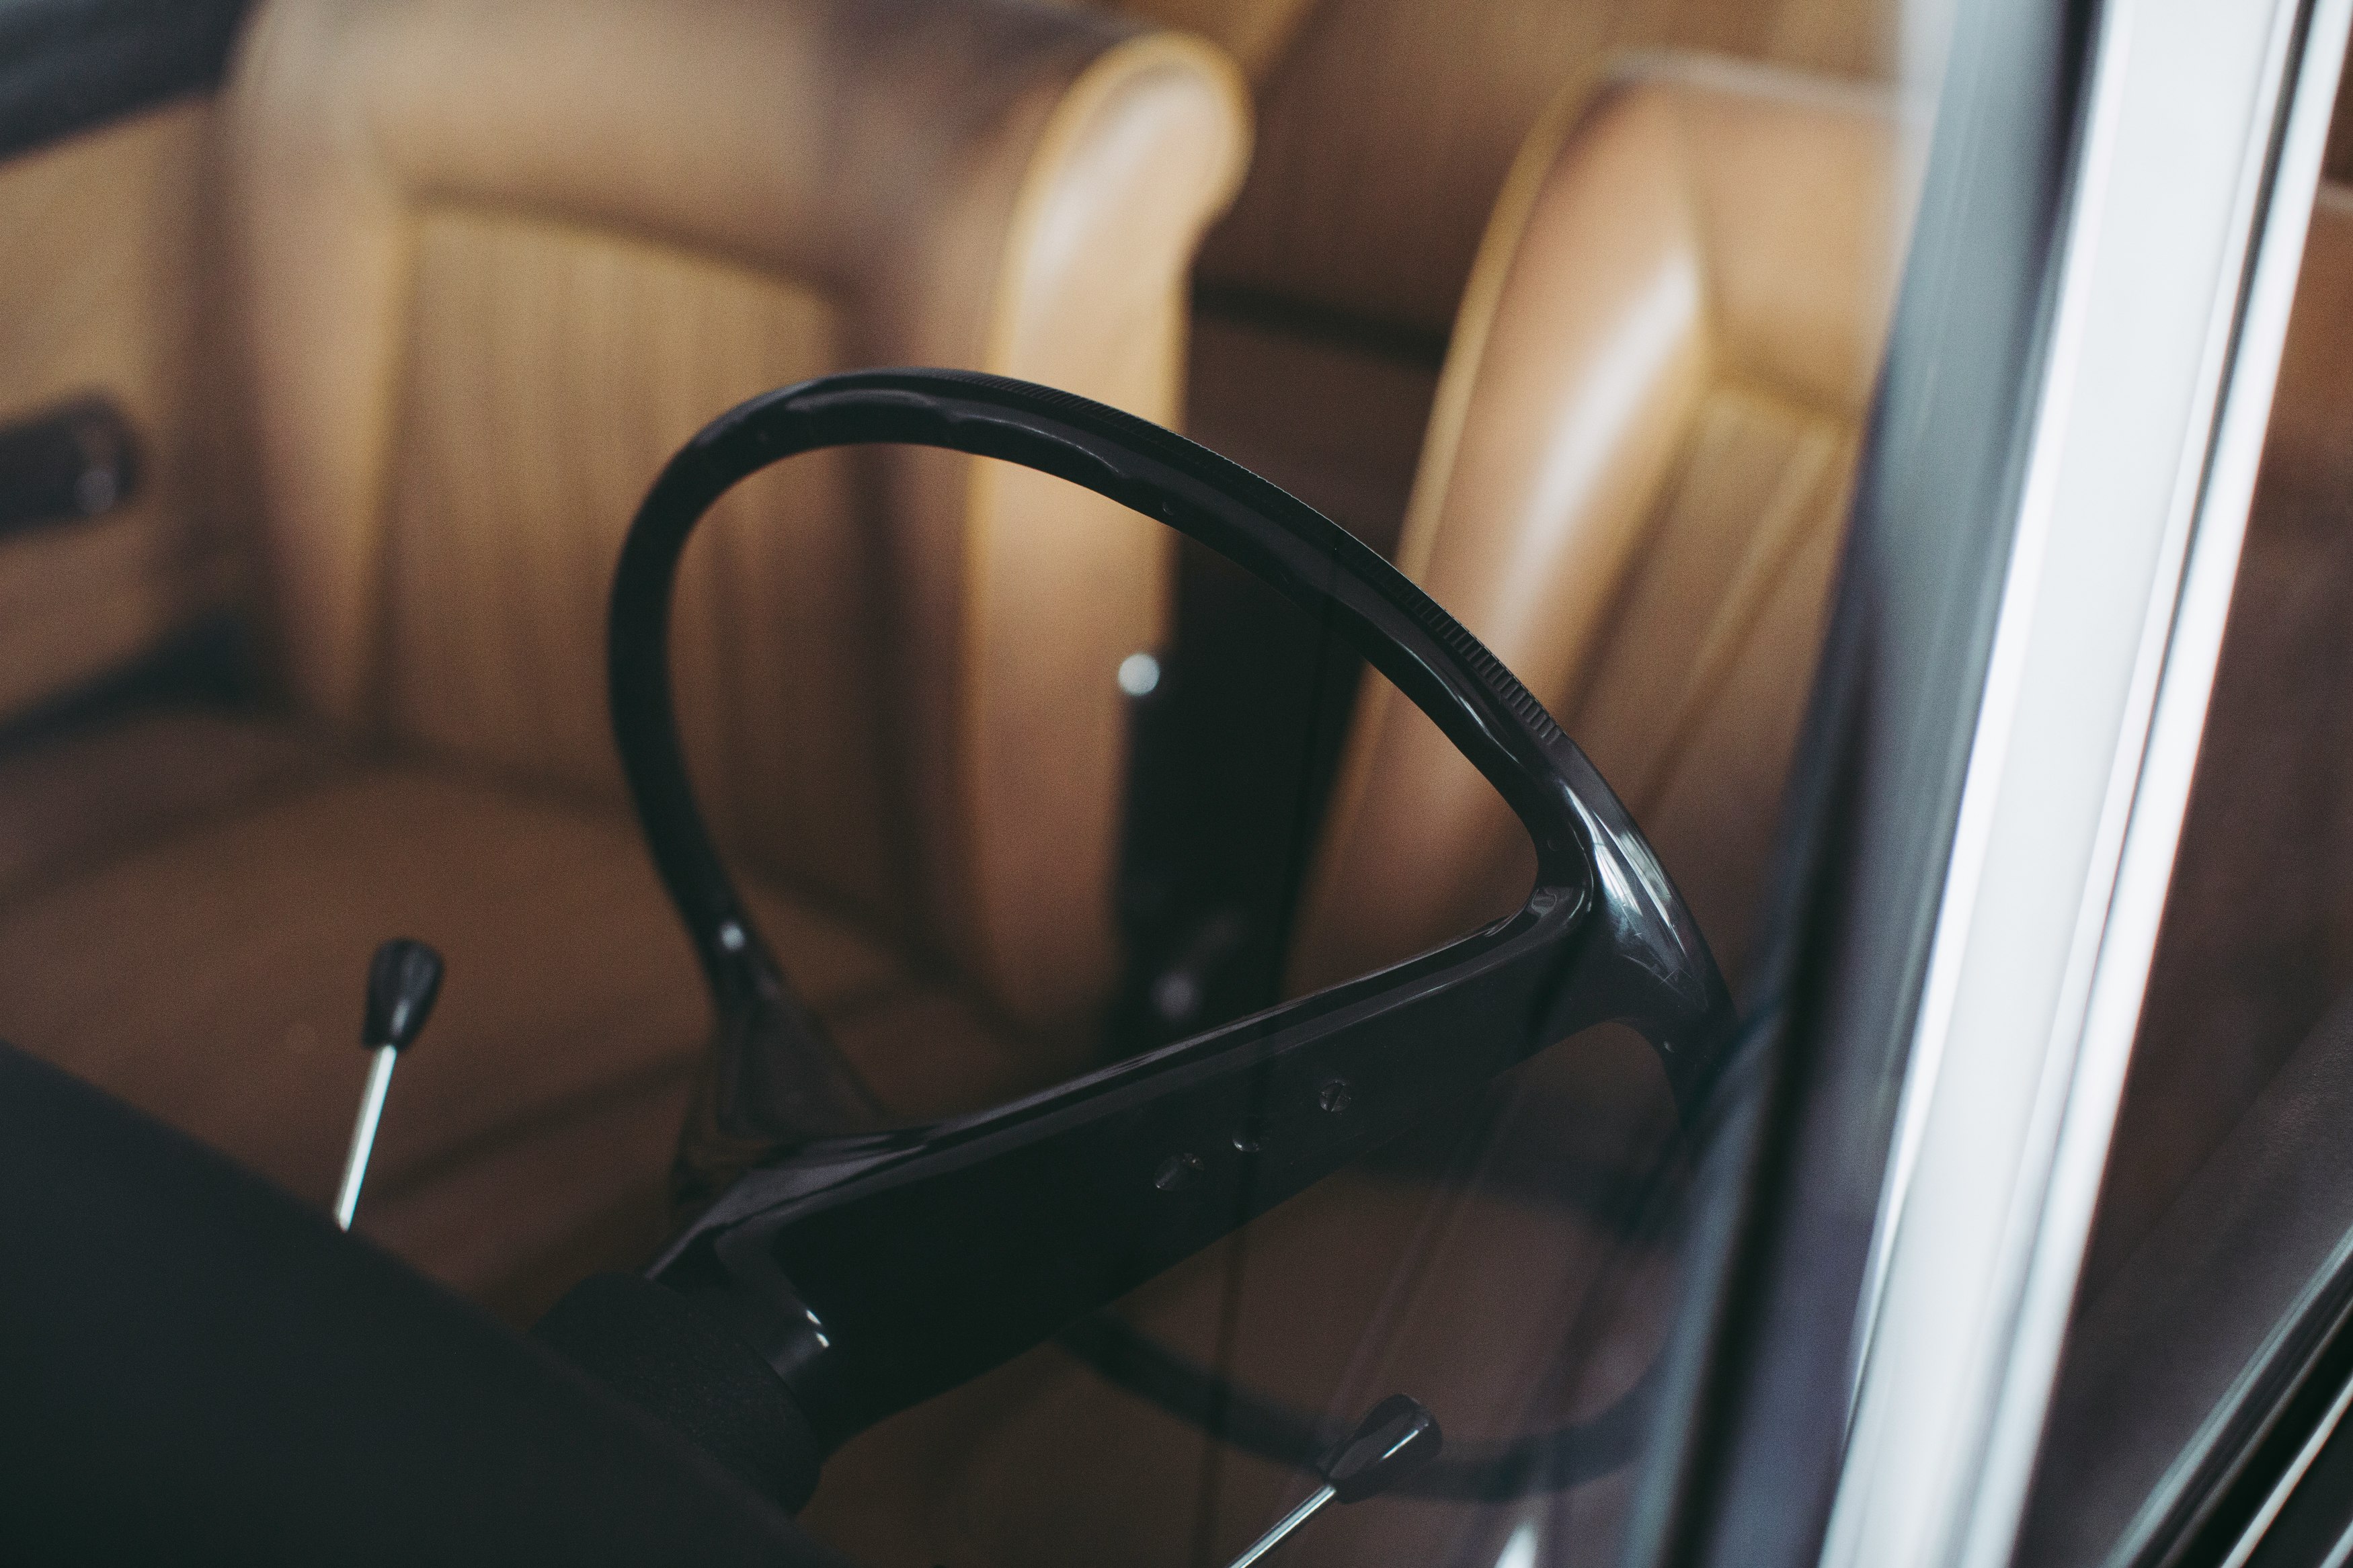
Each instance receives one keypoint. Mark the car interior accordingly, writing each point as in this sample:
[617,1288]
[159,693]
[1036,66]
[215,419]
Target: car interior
[363,342]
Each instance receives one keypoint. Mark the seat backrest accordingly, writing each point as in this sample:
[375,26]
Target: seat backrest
[1384,130]
[1633,491]
[1386,126]
[496,258]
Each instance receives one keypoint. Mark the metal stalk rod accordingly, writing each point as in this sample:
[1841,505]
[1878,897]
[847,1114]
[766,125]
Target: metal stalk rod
[1284,1526]
[404,978]
[1397,1438]
[355,1162]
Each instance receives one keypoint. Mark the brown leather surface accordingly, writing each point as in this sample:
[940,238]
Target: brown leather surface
[100,267]
[68,804]
[1385,128]
[193,928]
[1632,492]
[498,258]
[1335,424]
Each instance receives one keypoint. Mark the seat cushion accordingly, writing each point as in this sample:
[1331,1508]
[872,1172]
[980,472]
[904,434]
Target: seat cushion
[187,904]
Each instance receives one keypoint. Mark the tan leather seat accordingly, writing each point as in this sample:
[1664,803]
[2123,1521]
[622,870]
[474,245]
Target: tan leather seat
[1324,304]
[1387,127]
[488,263]
[1633,490]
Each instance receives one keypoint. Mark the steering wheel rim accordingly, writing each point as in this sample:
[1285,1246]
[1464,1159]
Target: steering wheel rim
[1645,964]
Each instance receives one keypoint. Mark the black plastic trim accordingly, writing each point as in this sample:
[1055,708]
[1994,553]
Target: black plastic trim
[69,65]
[195,1367]
[72,463]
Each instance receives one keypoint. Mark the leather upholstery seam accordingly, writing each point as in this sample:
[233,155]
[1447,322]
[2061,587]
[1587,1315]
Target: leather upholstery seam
[1111,73]
[1498,255]
[1773,547]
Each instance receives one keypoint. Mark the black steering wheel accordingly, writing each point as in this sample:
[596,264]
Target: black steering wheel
[872,1267]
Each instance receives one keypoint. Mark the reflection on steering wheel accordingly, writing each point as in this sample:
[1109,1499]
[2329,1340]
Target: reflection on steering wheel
[873,1268]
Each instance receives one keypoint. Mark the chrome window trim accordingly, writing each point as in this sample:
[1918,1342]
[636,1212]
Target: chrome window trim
[1998,702]
[2079,764]
[2184,681]
[1745,1449]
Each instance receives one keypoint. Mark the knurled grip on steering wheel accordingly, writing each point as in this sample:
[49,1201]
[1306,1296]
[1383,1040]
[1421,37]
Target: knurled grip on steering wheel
[877,1268]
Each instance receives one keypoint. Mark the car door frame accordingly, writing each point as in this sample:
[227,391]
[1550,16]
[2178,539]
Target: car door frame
[1896,1201]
